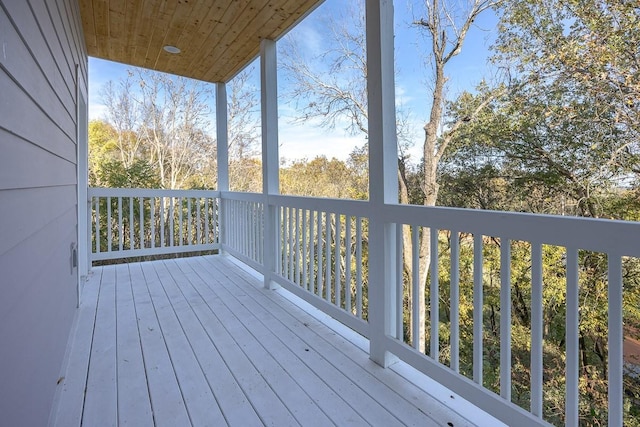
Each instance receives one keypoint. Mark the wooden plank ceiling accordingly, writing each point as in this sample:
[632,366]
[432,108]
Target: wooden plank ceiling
[217,38]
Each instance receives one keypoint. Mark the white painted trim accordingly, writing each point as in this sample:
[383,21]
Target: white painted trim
[270,158]
[222,152]
[598,235]
[222,137]
[383,166]
[82,184]
[150,192]
[154,251]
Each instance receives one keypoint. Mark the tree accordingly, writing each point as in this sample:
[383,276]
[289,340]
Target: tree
[340,93]
[164,119]
[446,24]
[564,139]
[103,146]
[245,169]
[585,51]
[320,177]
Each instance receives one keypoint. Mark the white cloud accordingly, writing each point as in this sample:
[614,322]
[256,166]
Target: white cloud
[97,111]
[299,141]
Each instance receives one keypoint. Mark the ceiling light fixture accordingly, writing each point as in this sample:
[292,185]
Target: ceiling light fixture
[171,49]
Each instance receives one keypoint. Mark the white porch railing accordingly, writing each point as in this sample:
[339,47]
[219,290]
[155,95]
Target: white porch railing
[321,251]
[143,222]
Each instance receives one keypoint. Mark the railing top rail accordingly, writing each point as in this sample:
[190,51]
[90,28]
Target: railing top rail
[241,196]
[343,206]
[149,192]
[599,235]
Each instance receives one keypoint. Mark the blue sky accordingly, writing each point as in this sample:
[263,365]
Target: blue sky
[412,78]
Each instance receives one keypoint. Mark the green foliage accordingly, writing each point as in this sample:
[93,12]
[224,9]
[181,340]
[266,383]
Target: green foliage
[593,328]
[115,174]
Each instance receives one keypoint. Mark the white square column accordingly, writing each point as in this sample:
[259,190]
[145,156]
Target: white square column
[222,137]
[383,177]
[222,158]
[270,158]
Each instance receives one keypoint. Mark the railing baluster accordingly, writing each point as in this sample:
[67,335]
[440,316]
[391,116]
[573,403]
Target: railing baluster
[141,219]
[279,236]
[572,344]
[152,202]
[327,266]
[181,225]
[415,287]
[120,225]
[320,254]
[347,264]
[171,222]
[285,242]
[305,279]
[256,230]
[536,330]
[615,339]
[246,229]
[478,307]
[131,226]
[248,209]
[216,220]
[312,247]
[206,220]
[161,222]
[199,221]
[189,218]
[297,253]
[399,280]
[505,318]
[97,225]
[359,267]
[291,251]
[261,233]
[455,301]
[228,222]
[238,226]
[109,225]
[434,297]
[337,256]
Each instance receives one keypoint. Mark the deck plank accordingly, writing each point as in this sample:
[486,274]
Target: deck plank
[75,379]
[134,404]
[201,403]
[235,405]
[417,397]
[269,364]
[199,341]
[166,399]
[100,401]
[266,402]
[312,382]
[377,402]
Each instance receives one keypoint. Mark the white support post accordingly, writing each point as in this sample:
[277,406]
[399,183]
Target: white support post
[222,151]
[270,159]
[383,175]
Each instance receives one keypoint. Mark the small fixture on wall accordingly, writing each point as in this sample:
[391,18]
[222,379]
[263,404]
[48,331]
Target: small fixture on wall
[171,49]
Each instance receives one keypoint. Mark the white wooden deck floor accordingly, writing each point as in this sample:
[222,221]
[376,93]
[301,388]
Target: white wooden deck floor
[198,341]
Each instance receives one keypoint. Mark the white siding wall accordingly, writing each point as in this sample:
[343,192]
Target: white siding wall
[40,45]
